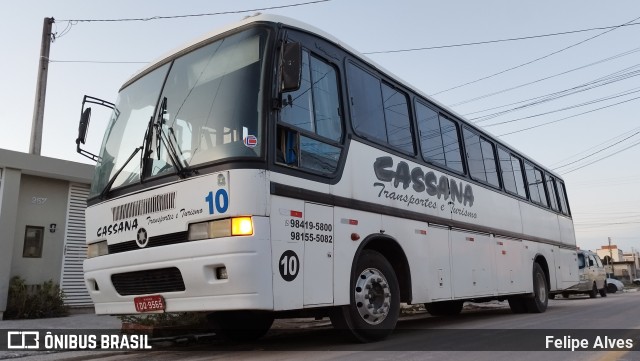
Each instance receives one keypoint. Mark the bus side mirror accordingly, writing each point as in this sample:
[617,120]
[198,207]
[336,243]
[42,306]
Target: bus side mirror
[85,117]
[291,67]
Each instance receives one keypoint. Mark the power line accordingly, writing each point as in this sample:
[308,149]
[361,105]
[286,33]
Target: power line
[539,80]
[197,15]
[597,152]
[565,118]
[534,60]
[594,225]
[594,101]
[494,41]
[603,158]
[635,178]
[608,79]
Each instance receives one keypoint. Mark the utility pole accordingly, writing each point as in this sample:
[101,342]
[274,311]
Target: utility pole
[611,258]
[41,88]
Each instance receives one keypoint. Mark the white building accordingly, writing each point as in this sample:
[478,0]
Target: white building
[626,266]
[42,229]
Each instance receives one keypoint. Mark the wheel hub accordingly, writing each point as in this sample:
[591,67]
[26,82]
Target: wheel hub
[372,296]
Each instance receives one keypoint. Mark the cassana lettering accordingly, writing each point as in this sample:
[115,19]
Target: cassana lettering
[441,187]
[118,227]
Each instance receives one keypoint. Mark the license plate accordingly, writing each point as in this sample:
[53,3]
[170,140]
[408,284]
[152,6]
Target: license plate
[149,303]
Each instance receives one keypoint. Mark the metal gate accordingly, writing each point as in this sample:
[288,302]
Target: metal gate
[75,248]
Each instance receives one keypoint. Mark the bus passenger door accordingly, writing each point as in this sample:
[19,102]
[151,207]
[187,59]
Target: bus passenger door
[318,254]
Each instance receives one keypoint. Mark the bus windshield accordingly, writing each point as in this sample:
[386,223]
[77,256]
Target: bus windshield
[210,101]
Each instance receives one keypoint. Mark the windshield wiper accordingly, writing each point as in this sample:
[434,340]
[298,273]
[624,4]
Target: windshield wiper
[107,187]
[183,170]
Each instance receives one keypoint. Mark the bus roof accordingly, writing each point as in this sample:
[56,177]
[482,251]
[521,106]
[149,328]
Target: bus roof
[270,18]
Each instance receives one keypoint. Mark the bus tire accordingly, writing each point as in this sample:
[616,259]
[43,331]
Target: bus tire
[540,300]
[241,326]
[375,300]
[517,305]
[445,308]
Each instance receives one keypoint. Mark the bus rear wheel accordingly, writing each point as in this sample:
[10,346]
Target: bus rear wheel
[241,326]
[375,300]
[540,300]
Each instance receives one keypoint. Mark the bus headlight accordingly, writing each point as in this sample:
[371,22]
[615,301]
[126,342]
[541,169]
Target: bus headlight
[237,226]
[97,249]
[241,226]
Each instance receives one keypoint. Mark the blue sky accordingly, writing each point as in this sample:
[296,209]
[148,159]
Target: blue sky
[604,196]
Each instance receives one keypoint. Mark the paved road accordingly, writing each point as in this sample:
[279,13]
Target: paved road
[422,337]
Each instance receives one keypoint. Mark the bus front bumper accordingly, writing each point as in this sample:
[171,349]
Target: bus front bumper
[187,275]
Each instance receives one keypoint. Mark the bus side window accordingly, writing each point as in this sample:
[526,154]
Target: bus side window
[481,158]
[511,173]
[564,204]
[536,184]
[379,111]
[311,119]
[438,138]
[553,195]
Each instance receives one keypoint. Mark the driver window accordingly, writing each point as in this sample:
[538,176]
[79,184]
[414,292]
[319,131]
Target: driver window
[311,119]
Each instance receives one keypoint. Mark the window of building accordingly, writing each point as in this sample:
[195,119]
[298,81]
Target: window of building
[33,237]
[481,158]
[379,111]
[511,169]
[313,119]
[536,184]
[439,138]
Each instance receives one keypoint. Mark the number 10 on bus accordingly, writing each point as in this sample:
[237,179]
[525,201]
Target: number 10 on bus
[218,202]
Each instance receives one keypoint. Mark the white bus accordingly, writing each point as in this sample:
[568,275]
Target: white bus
[269,170]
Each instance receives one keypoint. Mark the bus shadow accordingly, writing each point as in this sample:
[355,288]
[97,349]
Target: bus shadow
[416,332]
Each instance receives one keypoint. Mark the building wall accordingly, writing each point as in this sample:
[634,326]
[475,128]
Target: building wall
[24,177]
[42,202]
[611,251]
[10,189]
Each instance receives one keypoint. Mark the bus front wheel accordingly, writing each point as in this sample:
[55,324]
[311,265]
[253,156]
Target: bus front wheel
[375,300]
